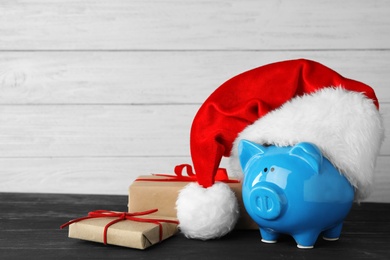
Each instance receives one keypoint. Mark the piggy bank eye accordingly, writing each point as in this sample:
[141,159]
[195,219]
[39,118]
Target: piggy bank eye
[272,169]
[265,169]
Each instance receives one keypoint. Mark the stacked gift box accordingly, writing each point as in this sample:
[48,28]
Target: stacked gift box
[151,216]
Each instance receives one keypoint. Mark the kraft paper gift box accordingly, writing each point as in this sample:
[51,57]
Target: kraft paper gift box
[161,191]
[123,229]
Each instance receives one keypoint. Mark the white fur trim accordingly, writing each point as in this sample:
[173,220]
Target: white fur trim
[345,125]
[206,213]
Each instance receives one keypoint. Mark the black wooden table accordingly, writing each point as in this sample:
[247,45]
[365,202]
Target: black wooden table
[29,229]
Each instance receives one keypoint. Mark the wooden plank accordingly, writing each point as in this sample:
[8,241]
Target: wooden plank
[104,175]
[184,25]
[98,130]
[27,220]
[113,175]
[381,191]
[158,77]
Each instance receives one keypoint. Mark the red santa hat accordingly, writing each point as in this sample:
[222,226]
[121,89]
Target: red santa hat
[281,103]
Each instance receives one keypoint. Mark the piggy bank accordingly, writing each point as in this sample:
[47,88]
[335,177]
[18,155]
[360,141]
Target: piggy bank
[294,190]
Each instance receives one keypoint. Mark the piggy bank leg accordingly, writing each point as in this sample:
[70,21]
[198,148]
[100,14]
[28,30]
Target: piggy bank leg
[307,239]
[333,234]
[268,236]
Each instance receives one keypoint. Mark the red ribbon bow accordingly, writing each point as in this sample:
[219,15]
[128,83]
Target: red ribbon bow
[120,216]
[221,175]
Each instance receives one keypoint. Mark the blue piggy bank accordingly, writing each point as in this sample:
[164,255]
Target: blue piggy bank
[294,190]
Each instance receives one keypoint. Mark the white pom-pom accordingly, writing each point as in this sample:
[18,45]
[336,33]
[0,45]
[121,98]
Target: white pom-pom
[206,213]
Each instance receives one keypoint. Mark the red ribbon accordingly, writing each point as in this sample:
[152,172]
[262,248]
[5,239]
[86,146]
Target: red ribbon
[120,216]
[221,175]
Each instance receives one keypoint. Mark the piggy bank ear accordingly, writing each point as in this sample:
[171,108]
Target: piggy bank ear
[309,153]
[247,149]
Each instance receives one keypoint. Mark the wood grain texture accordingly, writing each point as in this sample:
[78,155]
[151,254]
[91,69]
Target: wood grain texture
[98,130]
[103,175]
[30,226]
[188,25]
[95,130]
[153,77]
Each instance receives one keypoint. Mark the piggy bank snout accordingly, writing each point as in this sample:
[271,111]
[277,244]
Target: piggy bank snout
[267,200]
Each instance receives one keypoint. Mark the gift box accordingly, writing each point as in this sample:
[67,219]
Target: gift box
[161,191]
[135,230]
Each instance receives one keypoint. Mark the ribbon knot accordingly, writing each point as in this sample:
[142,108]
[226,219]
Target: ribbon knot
[221,175]
[121,216]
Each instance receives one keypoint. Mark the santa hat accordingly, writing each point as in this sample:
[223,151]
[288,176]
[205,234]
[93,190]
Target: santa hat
[282,104]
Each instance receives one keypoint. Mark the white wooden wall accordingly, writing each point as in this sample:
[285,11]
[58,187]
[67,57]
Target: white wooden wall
[96,92]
